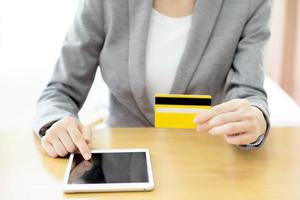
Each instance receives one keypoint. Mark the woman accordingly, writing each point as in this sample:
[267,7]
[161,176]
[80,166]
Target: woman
[211,47]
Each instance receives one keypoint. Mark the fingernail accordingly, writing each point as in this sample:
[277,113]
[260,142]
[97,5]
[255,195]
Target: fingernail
[196,120]
[87,156]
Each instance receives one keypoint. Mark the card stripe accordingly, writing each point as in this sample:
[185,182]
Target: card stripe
[179,110]
[182,101]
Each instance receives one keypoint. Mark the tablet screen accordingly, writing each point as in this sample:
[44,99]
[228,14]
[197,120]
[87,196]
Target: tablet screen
[127,167]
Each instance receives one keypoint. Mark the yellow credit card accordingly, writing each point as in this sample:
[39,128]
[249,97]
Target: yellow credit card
[177,110]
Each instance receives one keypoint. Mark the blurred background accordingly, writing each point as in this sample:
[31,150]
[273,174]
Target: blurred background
[32,31]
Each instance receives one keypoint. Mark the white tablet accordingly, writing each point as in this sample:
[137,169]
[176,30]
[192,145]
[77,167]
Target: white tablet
[109,170]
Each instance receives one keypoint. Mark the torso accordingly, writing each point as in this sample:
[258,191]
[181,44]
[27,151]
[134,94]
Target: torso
[167,39]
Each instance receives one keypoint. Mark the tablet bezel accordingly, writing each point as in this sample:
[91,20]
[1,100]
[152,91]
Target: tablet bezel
[110,187]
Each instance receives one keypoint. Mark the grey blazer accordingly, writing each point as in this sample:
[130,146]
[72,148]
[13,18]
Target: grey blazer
[222,58]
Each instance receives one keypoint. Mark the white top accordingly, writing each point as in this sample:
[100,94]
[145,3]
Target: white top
[166,42]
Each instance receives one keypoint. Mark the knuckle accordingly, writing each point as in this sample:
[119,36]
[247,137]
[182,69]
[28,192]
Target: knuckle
[52,135]
[55,129]
[68,120]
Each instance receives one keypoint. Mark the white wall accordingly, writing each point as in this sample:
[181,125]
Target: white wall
[31,34]
[275,47]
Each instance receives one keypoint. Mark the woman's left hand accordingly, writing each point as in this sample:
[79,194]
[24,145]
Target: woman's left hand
[239,122]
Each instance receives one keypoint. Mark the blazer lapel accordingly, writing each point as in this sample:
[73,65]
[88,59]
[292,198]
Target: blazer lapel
[139,19]
[205,15]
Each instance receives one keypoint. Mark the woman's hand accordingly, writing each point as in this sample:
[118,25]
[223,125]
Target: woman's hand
[237,120]
[66,136]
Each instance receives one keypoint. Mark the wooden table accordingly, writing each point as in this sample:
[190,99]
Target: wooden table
[186,165]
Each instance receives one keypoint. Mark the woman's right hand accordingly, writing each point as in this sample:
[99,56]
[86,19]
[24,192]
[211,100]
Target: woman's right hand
[66,136]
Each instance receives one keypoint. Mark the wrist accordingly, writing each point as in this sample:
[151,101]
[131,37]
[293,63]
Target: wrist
[44,129]
[260,120]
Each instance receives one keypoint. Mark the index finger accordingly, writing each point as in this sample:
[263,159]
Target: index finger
[86,133]
[214,111]
[79,141]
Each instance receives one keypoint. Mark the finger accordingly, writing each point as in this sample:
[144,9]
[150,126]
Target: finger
[230,128]
[87,134]
[65,138]
[79,141]
[58,146]
[48,148]
[199,115]
[245,138]
[224,118]
[229,106]
[203,127]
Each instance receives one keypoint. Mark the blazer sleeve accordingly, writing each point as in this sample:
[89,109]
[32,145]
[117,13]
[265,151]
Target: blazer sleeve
[246,76]
[75,69]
